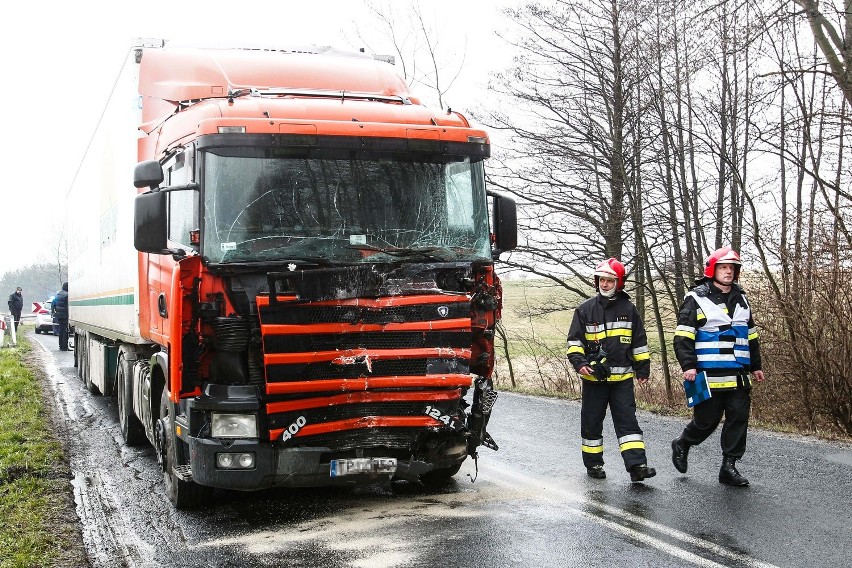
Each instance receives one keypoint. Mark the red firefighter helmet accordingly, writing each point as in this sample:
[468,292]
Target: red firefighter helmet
[724,255]
[610,268]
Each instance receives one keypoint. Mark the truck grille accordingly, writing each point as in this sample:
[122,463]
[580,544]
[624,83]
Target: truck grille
[390,368]
[299,313]
[338,412]
[402,354]
[369,437]
[293,343]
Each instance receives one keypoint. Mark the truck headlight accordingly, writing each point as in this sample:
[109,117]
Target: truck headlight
[233,425]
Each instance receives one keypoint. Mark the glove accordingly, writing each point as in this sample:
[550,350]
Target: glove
[599,366]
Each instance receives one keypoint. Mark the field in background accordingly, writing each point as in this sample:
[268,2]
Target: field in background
[525,303]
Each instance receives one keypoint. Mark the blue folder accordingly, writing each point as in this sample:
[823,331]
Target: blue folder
[697,390]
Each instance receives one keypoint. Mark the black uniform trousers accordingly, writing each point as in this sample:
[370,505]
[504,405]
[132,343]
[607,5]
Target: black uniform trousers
[63,333]
[16,315]
[735,405]
[618,395]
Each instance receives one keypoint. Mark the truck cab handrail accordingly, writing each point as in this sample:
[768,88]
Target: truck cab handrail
[320,93]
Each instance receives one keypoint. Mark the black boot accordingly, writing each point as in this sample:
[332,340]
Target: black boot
[680,451]
[640,472]
[596,471]
[729,475]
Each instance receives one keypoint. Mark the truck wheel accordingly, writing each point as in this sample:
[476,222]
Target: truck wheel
[38,331]
[439,477]
[83,364]
[131,428]
[84,370]
[183,494]
[78,358]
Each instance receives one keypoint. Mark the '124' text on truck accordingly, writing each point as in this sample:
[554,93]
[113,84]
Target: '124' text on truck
[301,292]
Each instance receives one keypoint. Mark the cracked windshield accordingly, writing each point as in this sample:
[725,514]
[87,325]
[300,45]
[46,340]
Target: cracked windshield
[260,208]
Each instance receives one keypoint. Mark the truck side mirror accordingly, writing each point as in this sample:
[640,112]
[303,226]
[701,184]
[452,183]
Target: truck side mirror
[505,218]
[148,174]
[150,228]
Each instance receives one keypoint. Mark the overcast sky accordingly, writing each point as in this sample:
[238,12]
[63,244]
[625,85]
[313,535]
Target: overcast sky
[60,60]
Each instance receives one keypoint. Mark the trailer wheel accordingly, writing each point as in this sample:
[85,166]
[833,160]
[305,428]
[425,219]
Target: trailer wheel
[80,355]
[84,366]
[131,428]
[182,494]
[439,477]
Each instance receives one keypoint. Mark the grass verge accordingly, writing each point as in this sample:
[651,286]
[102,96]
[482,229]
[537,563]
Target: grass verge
[36,505]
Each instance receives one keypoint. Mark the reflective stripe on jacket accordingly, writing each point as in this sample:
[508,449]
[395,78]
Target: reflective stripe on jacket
[613,326]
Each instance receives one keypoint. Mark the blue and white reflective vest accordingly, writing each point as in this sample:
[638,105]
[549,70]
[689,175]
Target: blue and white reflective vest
[722,342]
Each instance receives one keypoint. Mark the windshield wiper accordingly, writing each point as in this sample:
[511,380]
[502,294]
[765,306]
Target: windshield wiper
[301,262]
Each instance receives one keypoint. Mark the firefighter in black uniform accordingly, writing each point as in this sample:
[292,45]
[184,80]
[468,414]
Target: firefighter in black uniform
[608,347]
[716,335]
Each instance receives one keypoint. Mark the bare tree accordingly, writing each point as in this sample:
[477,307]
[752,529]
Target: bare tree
[567,102]
[656,130]
[417,38]
[59,257]
[834,39]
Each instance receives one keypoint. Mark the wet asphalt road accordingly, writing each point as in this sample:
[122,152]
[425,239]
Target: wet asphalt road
[531,504]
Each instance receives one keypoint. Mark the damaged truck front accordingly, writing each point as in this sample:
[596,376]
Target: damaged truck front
[316,294]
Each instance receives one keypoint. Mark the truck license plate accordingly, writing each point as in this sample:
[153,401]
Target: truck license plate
[362,465]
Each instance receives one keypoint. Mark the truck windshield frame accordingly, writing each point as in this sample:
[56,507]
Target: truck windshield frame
[341,206]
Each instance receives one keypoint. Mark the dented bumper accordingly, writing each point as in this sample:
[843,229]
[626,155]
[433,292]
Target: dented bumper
[294,467]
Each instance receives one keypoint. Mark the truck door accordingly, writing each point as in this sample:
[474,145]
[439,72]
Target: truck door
[183,220]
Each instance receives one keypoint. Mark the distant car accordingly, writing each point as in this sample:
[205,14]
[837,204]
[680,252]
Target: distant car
[44,321]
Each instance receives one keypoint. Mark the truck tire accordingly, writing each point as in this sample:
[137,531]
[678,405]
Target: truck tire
[80,354]
[132,430]
[84,368]
[182,494]
[439,477]
[83,365]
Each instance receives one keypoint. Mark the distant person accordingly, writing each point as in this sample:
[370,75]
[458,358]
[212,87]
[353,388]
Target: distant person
[608,347]
[16,304]
[60,315]
[716,335]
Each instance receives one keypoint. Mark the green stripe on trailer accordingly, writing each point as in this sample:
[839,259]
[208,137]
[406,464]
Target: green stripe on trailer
[123,300]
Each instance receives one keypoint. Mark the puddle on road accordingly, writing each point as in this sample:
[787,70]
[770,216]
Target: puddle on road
[844,458]
[372,532]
